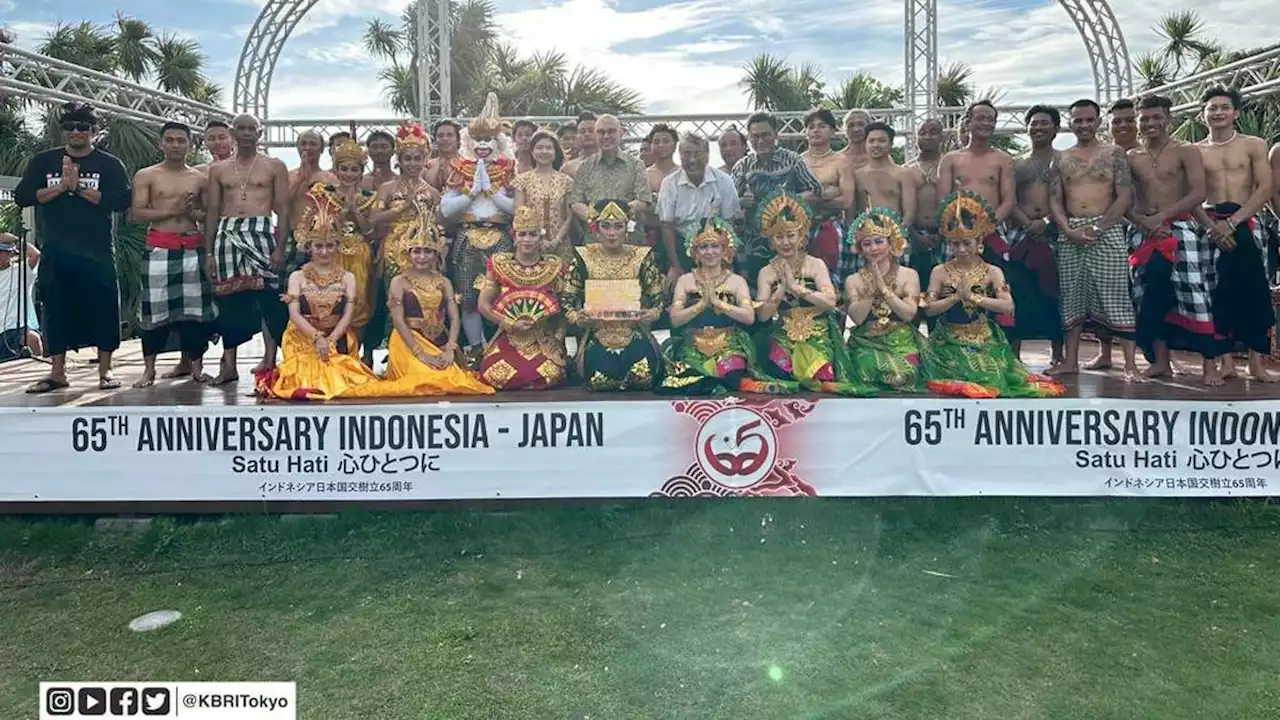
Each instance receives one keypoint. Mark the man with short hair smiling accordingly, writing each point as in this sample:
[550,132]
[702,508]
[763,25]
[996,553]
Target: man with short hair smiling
[693,192]
[611,174]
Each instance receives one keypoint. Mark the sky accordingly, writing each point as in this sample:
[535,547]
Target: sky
[684,56]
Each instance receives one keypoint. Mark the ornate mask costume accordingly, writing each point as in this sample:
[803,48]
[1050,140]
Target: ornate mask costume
[881,222]
[966,215]
[485,137]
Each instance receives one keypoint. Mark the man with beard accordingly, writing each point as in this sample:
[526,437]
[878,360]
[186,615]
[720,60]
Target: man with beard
[1238,184]
[926,250]
[827,239]
[177,296]
[1171,256]
[586,143]
[1093,191]
[733,147]
[381,146]
[243,255]
[75,189]
[855,130]
[1032,232]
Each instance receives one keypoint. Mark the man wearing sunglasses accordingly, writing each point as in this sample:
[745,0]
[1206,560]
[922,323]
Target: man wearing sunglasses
[75,190]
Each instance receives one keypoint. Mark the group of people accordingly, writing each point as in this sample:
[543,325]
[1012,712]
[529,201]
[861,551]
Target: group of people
[502,256]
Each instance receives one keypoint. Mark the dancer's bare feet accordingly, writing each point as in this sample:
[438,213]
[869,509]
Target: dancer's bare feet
[147,380]
[1063,369]
[1102,362]
[1258,370]
[226,374]
[181,370]
[1158,370]
[1229,371]
[1212,377]
[1131,375]
[198,375]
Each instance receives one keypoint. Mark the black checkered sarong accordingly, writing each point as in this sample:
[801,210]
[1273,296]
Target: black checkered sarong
[476,244]
[1173,281]
[1093,280]
[1242,309]
[242,252]
[174,285]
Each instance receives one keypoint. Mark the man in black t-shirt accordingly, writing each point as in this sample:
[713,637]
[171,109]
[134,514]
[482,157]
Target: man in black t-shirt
[75,190]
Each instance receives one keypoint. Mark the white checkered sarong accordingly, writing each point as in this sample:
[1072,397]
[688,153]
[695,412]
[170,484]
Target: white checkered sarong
[1094,279]
[175,288]
[242,252]
[1194,274]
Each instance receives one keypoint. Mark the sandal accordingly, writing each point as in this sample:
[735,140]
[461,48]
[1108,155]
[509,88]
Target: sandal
[48,384]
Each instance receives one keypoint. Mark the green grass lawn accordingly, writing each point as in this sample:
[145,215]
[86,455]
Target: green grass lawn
[743,610]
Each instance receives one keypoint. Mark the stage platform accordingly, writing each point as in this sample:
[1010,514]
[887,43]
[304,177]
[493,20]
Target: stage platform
[183,447]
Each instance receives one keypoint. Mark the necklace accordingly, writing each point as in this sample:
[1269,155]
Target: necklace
[1155,156]
[929,170]
[1228,141]
[244,183]
[710,278]
[815,156]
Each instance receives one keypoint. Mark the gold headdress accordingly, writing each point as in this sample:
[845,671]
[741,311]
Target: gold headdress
[411,134]
[715,230]
[608,211]
[526,219]
[965,214]
[488,123]
[320,216]
[881,222]
[349,151]
[783,212]
[424,235]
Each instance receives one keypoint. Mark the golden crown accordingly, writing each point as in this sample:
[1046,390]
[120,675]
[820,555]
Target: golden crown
[349,151]
[966,215]
[488,123]
[714,230]
[411,134]
[427,235]
[881,222]
[320,216]
[782,214]
[526,219]
[611,211]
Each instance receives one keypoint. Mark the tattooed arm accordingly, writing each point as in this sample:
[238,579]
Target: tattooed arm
[1122,183]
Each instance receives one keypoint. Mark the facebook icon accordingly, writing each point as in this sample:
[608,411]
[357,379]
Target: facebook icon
[124,702]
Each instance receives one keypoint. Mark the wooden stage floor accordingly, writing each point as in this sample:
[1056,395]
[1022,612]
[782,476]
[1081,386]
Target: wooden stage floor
[16,375]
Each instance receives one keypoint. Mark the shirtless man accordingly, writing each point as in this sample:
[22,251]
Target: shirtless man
[1238,185]
[880,181]
[1093,191]
[926,250]
[978,166]
[1031,221]
[448,134]
[177,296]
[662,141]
[1122,122]
[855,131]
[1168,246]
[243,258]
[381,146]
[835,173]
[218,141]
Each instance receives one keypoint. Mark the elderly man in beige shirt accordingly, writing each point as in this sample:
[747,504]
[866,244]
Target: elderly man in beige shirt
[611,175]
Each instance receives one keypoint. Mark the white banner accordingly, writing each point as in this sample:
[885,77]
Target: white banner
[765,446]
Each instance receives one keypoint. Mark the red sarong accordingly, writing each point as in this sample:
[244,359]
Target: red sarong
[163,240]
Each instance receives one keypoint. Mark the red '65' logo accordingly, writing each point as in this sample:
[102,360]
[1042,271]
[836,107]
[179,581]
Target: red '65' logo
[736,446]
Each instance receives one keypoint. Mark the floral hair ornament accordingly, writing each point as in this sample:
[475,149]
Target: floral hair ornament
[349,151]
[526,220]
[411,135]
[881,222]
[965,215]
[715,230]
[782,212]
[320,218]
[609,211]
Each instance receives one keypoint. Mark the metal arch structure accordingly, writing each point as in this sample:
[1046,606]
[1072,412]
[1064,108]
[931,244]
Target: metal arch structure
[279,18]
[1103,41]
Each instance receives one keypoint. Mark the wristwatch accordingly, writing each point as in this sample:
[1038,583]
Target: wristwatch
[1096,228]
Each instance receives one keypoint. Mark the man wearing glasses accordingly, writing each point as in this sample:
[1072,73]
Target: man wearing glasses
[75,190]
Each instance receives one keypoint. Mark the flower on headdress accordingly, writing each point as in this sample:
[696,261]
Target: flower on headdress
[411,134]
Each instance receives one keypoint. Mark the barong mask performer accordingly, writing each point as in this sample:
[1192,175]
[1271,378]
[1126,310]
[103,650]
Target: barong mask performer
[795,295]
[710,350]
[518,293]
[884,298]
[479,196]
[968,354]
[355,225]
[75,189]
[616,351]
[177,296]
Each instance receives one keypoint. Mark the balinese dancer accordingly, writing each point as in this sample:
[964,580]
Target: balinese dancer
[422,355]
[710,350]
[968,353]
[519,293]
[1092,192]
[177,296]
[319,347]
[885,348]
[406,206]
[795,294]
[1239,184]
[355,206]
[613,292]
[478,194]
[1171,256]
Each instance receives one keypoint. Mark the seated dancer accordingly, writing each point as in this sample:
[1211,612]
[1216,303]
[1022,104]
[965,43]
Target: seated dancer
[478,194]
[613,292]
[405,205]
[795,295]
[968,354]
[518,293]
[710,349]
[356,224]
[1171,256]
[318,345]
[422,355]
[884,298]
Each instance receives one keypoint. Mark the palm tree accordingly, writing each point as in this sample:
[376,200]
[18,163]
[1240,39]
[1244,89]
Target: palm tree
[773,85]
[17,143]
[865,91]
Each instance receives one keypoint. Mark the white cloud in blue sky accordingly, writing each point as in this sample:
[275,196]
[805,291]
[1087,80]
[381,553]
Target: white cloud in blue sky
[684,56]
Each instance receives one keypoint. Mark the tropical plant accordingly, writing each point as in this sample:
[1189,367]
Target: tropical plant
[542,84]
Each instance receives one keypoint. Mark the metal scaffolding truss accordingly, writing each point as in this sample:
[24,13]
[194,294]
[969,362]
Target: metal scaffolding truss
[920,65]
[1254,76]
[43,79]
[1103,41]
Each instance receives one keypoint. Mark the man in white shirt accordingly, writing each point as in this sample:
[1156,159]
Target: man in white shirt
[694,192]
[12,298]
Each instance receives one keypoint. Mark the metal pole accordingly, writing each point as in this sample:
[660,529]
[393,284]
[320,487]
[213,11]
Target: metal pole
[444,67]
[424,62]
